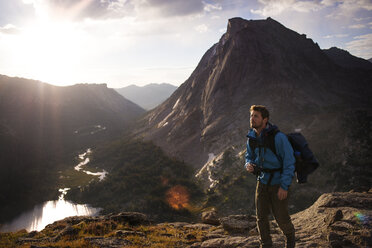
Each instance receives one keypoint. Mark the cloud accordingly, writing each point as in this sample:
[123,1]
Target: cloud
[357,26]
[9,29]
[277,7]
[177,7]
[338,8]
[201,28]
[361,46]
[335,36]
[111,9]
[347,9]
[210,7]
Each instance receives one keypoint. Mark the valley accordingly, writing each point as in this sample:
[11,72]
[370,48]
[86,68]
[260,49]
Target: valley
[89,150]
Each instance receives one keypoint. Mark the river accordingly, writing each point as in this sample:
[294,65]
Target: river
[48,212]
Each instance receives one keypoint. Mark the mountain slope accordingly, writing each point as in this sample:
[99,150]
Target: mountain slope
[345,59]
[255,62]
[148,96]
[41,126]
[40,112]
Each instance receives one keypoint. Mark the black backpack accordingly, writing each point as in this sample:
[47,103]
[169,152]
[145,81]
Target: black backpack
[306,163]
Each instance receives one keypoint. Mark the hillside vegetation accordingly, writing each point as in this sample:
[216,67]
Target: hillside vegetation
[141,178]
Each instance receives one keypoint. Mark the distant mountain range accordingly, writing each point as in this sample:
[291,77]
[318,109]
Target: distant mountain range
[148,96]
[42,124]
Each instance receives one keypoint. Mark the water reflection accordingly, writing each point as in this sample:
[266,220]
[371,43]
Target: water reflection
[47,213]
[85,160]
[51,211]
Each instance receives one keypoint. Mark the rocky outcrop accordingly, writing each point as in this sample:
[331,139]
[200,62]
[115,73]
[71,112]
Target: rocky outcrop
[334,220]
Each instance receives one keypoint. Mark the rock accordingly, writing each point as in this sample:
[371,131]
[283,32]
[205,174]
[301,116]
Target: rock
[27,240]
[333,217]
[70,231]
[174,224]
[210,217]
[107,242]
[32,234]
[341,199]
[125,233]
[229,242]
[199,226]
[35,246]
[336,217]
[341,226]
[213,236]
[132,218]
[336,240]
[238,223]
[190,236]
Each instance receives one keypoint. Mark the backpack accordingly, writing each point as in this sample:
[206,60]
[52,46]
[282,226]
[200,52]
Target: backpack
[306,163]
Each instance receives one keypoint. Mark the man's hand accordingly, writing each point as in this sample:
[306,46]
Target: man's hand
[250,167]
[282,194]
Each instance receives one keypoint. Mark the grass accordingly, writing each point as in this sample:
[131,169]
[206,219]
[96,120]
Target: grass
[161,236]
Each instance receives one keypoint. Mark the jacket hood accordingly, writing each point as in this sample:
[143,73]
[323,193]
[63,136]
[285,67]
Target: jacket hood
[267,130]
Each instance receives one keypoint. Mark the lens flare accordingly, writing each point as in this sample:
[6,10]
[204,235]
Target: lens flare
[363,219]
[178,197]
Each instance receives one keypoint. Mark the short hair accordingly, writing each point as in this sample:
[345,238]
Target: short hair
[262,109]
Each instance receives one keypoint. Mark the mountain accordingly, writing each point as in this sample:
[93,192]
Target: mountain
[255,62]
[205,121]
[345,59]
[48,115]
[334,220]
[148,96]
[42,126]
[370,60]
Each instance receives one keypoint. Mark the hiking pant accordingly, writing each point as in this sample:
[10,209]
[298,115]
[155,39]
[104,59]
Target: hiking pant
[266,201]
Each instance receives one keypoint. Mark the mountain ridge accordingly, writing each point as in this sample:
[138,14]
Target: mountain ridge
[252,59]
[345,59]
[148,96]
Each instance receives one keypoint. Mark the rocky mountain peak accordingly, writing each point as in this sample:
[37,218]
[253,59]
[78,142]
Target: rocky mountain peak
[236,24]
[254,62]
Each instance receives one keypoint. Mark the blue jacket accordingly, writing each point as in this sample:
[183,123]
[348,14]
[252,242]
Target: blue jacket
[284,155]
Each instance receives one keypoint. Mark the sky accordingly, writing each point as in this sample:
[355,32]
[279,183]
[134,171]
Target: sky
[123,42]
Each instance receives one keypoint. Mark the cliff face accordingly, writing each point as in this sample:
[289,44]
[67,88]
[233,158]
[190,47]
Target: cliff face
[255,62]
[335,220]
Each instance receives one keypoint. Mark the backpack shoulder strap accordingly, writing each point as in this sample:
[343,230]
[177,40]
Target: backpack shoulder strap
[253,144]
[269,141]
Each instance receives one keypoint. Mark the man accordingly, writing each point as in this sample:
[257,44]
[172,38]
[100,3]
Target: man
[274,171]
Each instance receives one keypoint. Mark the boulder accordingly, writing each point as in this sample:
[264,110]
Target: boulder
[238,223]
[132,218]
[333,217]
[210,217]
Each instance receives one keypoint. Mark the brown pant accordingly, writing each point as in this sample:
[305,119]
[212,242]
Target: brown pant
[266,201]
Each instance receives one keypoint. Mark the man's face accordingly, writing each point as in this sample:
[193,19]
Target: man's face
[257,121]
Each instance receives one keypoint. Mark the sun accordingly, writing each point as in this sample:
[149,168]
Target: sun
[49,51]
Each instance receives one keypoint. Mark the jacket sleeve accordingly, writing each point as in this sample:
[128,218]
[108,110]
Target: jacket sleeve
[249,157]
[285,152]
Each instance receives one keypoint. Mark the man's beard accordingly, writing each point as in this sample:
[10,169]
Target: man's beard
[256,125]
